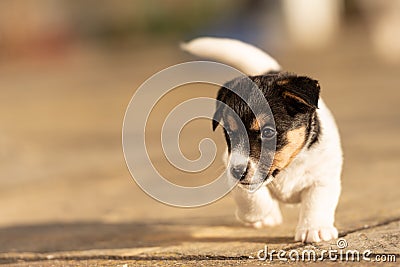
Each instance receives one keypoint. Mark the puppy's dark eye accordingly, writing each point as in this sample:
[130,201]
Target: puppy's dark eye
[268,133]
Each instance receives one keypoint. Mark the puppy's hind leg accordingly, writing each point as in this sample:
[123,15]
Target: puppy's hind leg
[256,209]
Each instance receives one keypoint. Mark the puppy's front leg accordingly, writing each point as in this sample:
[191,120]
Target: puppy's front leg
[256,209]
[318,204]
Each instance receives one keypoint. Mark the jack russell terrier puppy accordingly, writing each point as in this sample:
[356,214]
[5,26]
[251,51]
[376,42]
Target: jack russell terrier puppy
[306,162]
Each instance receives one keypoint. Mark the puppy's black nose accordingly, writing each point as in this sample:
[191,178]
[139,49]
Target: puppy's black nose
[239,171]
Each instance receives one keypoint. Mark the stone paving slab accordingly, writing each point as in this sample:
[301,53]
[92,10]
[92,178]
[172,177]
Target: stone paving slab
[382,241]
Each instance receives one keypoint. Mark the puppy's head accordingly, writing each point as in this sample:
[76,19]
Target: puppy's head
[276,134]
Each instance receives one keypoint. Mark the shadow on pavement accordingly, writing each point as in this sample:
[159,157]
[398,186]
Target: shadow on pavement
[96,235]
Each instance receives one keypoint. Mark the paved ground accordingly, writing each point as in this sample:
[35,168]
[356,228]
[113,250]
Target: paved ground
[66,197]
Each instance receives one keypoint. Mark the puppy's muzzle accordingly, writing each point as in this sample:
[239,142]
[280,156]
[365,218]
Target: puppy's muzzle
[239,171]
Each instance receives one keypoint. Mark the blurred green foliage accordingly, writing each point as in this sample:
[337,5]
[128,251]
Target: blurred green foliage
[110,21]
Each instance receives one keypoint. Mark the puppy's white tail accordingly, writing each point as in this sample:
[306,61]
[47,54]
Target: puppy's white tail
[245,57]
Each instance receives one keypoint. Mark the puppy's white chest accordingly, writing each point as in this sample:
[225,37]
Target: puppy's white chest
[288,185]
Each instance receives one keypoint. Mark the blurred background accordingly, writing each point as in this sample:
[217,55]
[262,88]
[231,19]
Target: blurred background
[69,68]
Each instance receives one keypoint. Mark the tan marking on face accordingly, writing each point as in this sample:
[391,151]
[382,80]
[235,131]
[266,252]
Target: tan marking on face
[282,82]
[287,94]
[296,139]
[260,119]
[255,126]
[232,124]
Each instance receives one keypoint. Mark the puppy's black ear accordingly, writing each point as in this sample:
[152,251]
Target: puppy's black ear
[216,119]
[300,92]
[219,107]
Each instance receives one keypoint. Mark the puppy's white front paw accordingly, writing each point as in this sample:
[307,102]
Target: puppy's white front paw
[272,219]
[317,234]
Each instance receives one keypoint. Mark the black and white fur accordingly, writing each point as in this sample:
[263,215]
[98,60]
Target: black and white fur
[306,166]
